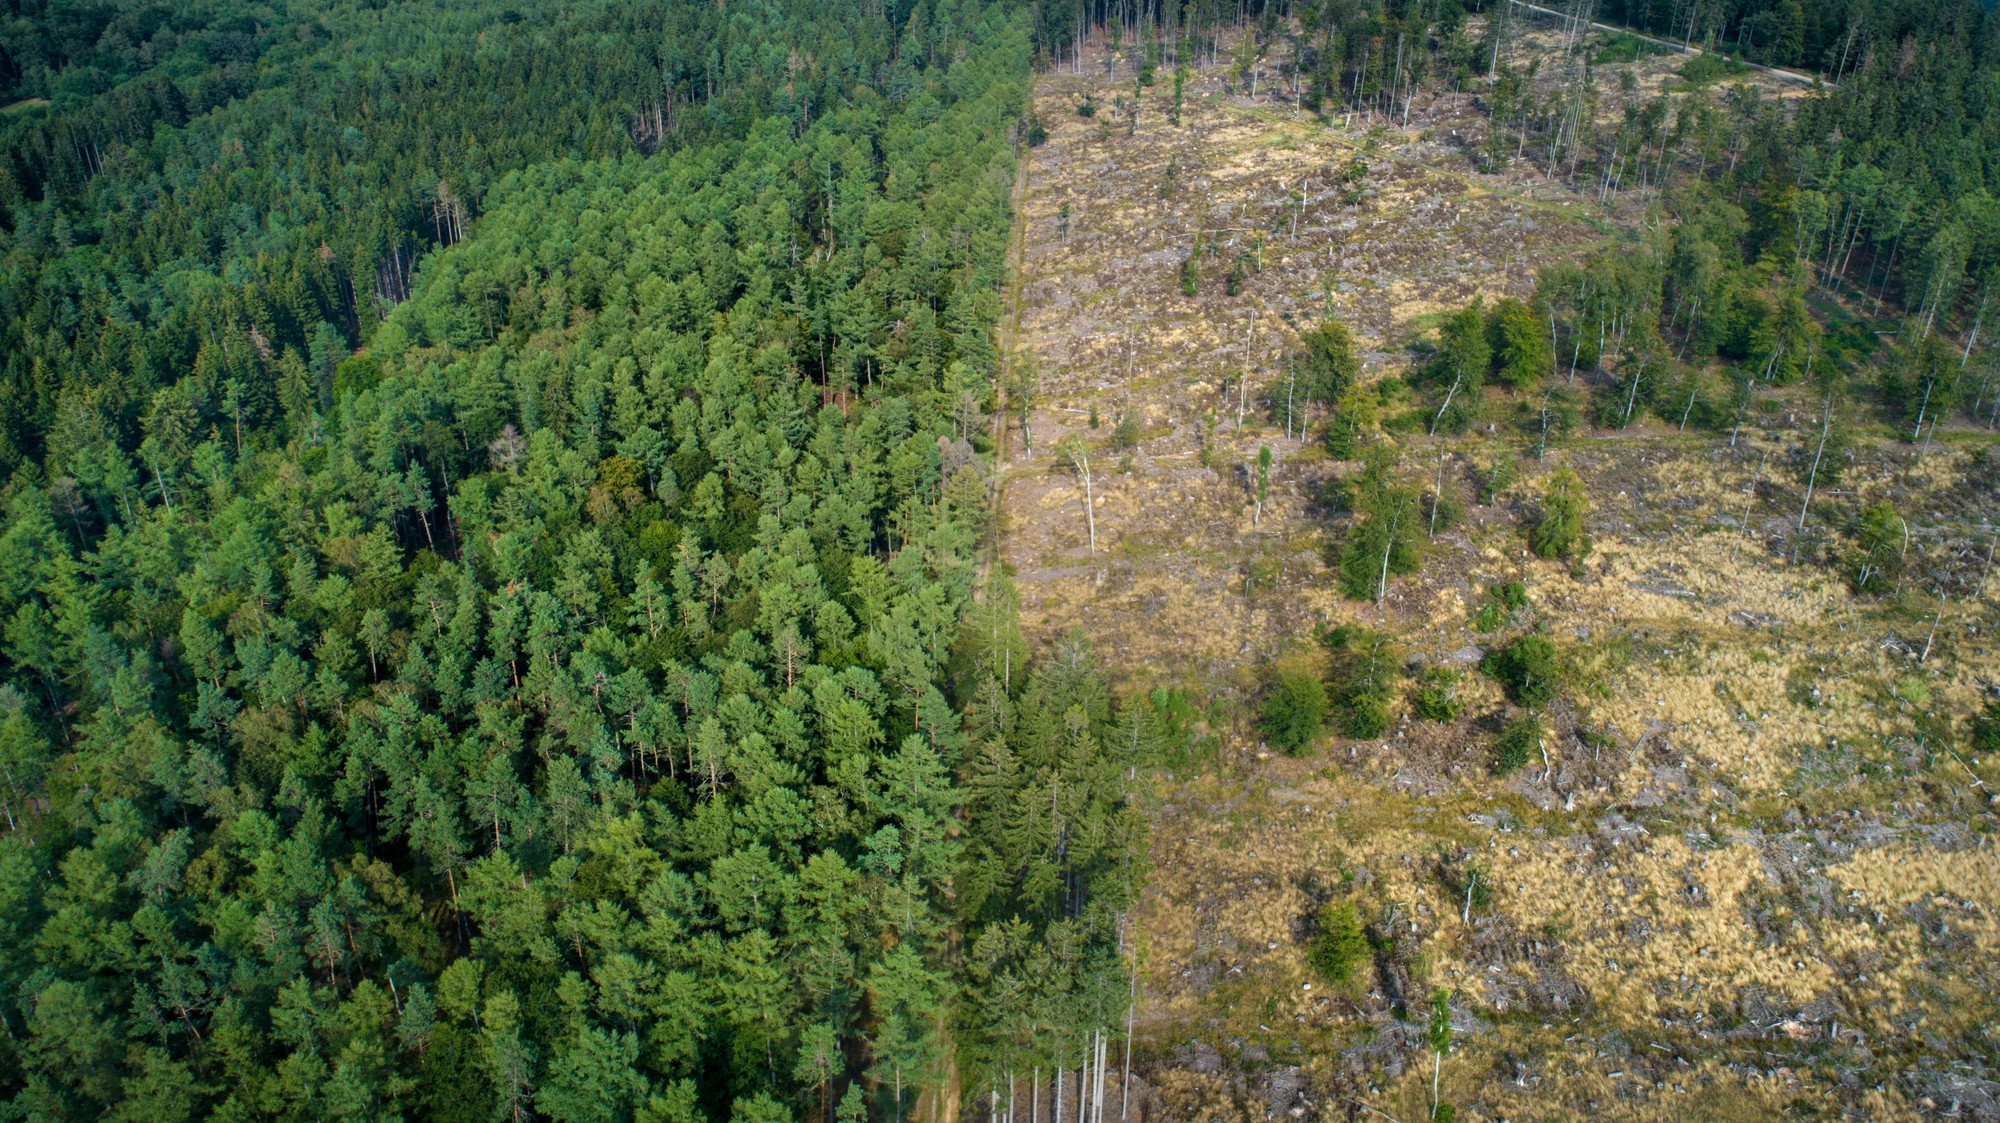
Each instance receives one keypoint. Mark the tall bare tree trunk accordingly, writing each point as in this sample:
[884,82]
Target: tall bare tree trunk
[1382,587]
[1825,424]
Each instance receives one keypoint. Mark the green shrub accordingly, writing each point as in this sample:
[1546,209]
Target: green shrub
[1365,713]
[1499,478]
[1913,691]
[1560,534]
[1443,511]
[1520,740]
[1529,670]
[1504,599]
[1467,883]
[1330,363]
[1409,421]
[1366,665]
[1709,67]
[1389,529]
[1261,573]
[1436,696]
[1341,946]
[1627,47]
[1986,730]
[1294,710]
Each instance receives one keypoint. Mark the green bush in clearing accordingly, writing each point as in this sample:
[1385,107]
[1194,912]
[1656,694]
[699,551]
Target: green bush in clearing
[1626,47]
[1504,599]
[1520,740]
[1294,711]
[1986,730]
[1436,696]
[1705,68]
[1560,533]
[1528,669]
[1341,947]
[1366,665]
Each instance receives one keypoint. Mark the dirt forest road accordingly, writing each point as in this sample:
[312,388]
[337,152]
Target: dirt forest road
[1683,48]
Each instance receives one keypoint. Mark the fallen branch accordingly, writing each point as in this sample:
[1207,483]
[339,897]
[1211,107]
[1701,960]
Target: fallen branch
[1375,1110]
[1976,781]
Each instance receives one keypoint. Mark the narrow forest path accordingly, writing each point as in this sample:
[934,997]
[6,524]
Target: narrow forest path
[1678,48]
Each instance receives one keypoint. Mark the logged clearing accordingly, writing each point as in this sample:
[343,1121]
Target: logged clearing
[1736,883]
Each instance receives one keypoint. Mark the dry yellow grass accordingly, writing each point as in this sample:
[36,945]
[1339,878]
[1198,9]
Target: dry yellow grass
[1655,928]
[1681,913]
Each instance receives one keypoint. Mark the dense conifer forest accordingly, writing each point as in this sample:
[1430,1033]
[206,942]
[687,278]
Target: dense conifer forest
[494,496]
[499,615]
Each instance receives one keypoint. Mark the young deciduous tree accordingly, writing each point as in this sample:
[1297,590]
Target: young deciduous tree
[1463,355]
[1439,1039]
[1388,538]
[1366,665]
[1882,542]
[1076,453]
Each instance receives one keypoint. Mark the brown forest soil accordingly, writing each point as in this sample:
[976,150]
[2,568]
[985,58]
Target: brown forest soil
[1745,883]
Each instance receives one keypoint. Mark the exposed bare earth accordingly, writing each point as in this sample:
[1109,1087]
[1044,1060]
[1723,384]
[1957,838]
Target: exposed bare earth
[1742,884]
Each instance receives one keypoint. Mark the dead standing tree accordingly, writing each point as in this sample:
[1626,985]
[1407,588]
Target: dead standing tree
[1077,454]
